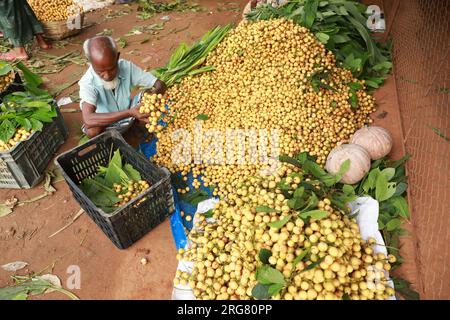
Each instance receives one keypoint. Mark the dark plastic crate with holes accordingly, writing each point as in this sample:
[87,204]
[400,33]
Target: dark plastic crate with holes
[131,222]
[23,166]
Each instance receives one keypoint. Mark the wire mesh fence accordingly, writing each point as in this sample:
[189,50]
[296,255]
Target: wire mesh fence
[420,31]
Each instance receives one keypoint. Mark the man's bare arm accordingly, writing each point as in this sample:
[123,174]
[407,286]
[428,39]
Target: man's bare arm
[92,119]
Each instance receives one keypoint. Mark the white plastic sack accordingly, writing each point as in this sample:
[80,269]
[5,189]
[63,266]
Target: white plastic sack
[367,220]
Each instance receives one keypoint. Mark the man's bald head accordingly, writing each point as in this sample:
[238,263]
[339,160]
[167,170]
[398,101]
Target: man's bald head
[100,47]
[102,52]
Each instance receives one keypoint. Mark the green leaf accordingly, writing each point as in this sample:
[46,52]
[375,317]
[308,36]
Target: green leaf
[261,291]
[376,163]
[37,104]
[300,257]
[209,213]
[388,173]
[353,99]
[298,193]
[401,188]
[313,265]
[381,187]
[314,214]
[345,166]
[280,223]
[114,170]
[30,78]
[20,296]
[403,287]
[5,68]
[195,197]
[370,182]
[348,189]
[7,130]
[399,162]
[401,205]
[313,201]
[310,12]
[338,38]
[131,172]
[393,224]
[264,255]
[264,209]
[36,125]
[322,37]
[99,193]
[355,85]
[269,275]
[202,117]
[346,297]
[274,289]
[290,160]
[295,203]
[24,122]
[385,65]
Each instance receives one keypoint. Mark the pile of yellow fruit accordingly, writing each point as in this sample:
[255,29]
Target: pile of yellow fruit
[334,262]
[130,191]
[54,10]
[20,135]
[155,106]
[6,80]
[271,75]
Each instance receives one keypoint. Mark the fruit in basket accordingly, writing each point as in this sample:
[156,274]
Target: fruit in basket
[376,140]
[129,191]
[115,185]
[315,254]
[359,162]
[155,106]
[6,80]
[20,135]
[54,10]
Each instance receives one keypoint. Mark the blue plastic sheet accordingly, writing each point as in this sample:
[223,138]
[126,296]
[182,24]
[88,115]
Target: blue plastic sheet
[177,223]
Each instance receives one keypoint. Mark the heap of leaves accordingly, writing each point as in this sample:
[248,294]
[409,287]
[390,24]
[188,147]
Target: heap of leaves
[114,184]
[341,26]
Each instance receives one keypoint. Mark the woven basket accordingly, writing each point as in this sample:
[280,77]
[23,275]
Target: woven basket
[58,30]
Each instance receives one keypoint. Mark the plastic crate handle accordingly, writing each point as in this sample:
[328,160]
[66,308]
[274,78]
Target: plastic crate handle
[92,143]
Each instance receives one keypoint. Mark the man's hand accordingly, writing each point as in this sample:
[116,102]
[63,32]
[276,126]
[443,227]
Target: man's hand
[159,87]
[141,117]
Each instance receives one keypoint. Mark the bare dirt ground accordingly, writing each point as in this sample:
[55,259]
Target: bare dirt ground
[107,272]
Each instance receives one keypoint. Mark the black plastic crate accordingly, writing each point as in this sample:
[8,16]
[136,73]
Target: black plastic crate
[131,222]
[23,166]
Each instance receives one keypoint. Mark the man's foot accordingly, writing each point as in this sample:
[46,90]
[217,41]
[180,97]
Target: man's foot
[42,42]
[15,54]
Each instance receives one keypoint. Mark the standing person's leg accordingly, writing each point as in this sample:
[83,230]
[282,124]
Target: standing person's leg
[37,27]
[19,24]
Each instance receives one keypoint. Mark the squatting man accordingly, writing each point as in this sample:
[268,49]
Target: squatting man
[106,89]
